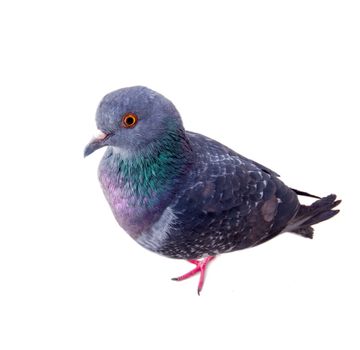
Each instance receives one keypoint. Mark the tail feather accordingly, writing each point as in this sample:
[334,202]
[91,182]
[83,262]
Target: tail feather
[309,215]
[306,194]
[320,217]
[307,232]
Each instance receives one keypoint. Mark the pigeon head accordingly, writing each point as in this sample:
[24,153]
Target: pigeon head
[131,119]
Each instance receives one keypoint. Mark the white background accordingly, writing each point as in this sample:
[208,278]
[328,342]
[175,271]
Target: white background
[278,81]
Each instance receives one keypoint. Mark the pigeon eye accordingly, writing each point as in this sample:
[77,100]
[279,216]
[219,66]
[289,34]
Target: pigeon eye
[129,120]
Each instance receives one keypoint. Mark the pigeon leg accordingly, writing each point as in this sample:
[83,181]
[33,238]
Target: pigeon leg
[200,267]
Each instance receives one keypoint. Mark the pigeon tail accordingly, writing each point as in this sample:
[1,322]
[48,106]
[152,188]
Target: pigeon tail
[309,215]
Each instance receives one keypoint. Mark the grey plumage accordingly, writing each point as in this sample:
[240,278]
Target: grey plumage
[227,202]
[183,195]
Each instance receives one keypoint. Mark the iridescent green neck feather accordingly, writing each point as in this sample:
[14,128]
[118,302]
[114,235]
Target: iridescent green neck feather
[148,174]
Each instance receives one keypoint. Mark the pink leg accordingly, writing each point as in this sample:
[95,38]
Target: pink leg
[200,267]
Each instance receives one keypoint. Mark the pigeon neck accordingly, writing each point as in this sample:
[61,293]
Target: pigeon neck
[141,186]
[155,170]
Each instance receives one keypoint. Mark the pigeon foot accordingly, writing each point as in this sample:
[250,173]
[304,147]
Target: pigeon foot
[200,268]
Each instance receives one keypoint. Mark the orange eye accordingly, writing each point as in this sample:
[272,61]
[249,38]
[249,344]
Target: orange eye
[129,120]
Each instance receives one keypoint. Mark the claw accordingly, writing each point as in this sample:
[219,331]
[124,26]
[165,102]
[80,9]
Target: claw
[200,267]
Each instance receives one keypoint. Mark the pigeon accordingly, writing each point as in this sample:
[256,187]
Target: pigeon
[184,195]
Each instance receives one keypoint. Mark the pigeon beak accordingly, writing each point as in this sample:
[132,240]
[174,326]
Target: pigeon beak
[96,142]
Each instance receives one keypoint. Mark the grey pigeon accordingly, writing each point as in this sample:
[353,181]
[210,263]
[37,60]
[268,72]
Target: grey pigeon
[183,195]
